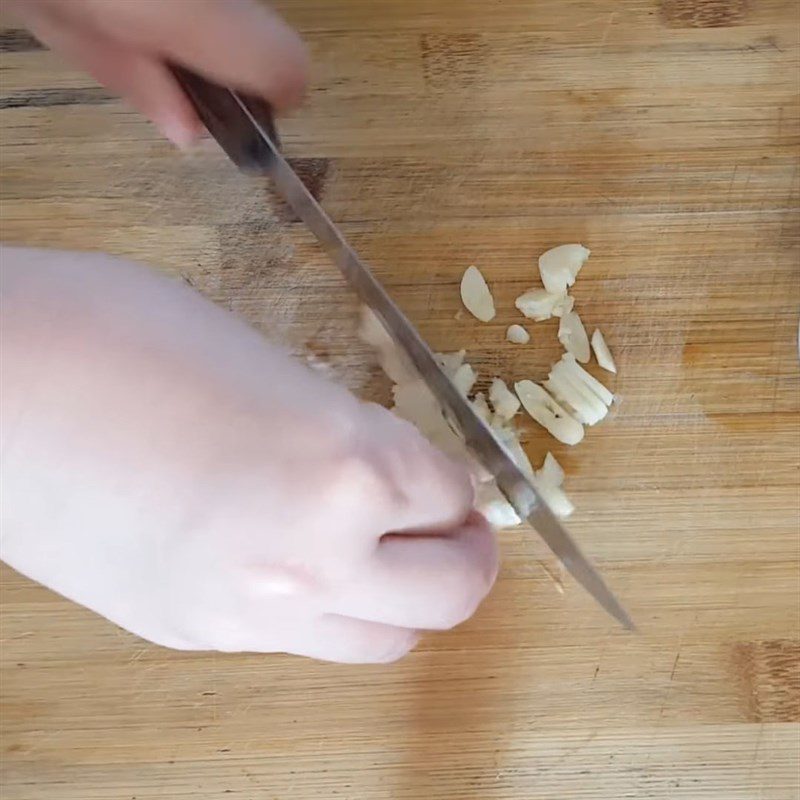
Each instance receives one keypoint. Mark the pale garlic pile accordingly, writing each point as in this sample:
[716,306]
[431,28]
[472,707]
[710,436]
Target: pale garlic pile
[569,399]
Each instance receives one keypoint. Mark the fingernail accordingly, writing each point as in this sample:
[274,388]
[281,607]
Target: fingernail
[181,135]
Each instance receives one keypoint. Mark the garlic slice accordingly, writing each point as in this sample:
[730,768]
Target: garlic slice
[572,335]
[548,413]
[560,265]
[516,334]
[539,304]
[476,296]
[602,353]
[504,402]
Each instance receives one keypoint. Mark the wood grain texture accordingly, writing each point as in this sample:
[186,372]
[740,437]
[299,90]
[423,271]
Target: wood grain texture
[663,135]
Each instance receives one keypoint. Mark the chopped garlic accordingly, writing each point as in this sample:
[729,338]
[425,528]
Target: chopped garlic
[414,402]
[548,413]
[464,379]
[602,353]
[504,402]
[585,406]
[508,437]
[560,265]
[450,362]
[539,305]
[572,335]
[555,498]
[565,304]
[568,365]
[516,334]
[476,296]
[498,512]
[481,407]
[578,391]
[551,471]
[570,400]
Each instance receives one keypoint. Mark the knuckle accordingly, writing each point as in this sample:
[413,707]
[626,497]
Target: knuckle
[409,473]
[360,482]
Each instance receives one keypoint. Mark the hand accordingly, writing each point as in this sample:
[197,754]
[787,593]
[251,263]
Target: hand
[165,466]
[125,45]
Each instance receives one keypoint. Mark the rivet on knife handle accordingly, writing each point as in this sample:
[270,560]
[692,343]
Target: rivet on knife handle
[227,121]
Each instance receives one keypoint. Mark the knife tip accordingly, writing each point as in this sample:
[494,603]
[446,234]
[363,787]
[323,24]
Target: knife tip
[625,620]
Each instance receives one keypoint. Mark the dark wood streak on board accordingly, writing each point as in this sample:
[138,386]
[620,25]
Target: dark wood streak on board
[314,172]
[770,675]
[452,59]
[45,98]
[702,13]
[17,40]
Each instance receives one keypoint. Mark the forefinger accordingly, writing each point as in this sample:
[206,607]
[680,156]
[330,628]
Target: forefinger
[238,43]
[428,492]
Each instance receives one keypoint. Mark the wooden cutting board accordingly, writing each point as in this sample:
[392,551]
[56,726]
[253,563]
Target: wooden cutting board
[664,136]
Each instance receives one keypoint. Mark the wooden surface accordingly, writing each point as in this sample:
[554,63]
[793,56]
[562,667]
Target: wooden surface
[664,136]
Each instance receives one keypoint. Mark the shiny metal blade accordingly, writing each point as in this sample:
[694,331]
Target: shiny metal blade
[479,438]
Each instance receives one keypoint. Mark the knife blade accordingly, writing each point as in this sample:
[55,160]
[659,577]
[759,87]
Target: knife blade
[243,127]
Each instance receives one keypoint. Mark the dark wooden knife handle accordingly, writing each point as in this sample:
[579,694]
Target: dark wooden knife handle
[220,111]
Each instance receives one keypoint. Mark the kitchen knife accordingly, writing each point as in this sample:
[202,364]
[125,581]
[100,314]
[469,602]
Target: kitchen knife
[244,128]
